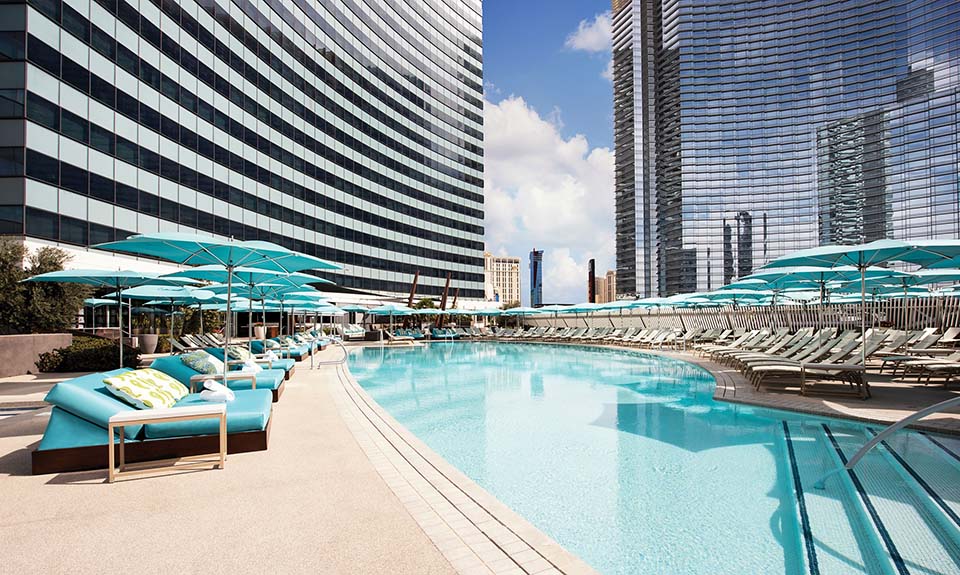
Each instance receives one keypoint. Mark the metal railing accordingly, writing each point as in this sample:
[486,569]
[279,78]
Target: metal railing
[821,483]
[337,362]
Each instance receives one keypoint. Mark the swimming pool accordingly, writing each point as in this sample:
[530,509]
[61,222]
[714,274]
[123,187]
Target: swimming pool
[626,460]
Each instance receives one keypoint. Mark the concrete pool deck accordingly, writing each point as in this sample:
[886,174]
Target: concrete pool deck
[343,488]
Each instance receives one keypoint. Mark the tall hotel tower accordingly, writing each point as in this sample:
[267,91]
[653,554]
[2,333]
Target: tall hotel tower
[746,130]
[348,129]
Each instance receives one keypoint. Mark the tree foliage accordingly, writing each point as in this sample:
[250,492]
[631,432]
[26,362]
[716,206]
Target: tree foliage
[510,305]
[35,307]
[425,303]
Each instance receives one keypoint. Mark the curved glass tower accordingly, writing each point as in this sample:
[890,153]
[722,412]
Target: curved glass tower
[746,130]
[349,129]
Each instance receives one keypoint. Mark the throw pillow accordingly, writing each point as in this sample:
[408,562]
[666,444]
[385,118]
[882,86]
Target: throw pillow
[239,352]
[140,390]
[202,362]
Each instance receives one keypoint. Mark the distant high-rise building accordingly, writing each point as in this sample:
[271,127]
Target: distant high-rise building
[756,129]
[605,287]
[592,281]
[501,276]
[536,277]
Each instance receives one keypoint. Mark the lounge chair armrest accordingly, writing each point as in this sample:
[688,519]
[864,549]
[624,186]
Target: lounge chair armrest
[200,377]
[833,366]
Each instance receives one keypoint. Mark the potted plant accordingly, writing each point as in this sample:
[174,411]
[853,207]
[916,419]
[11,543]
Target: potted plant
[259,331]
[147,337]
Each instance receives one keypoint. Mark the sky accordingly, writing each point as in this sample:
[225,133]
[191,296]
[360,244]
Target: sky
[548,133]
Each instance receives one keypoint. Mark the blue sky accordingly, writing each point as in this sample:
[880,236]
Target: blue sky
[524,54]
[548,161]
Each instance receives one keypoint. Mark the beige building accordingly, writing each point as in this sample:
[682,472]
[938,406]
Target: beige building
[501,278]
[605,288]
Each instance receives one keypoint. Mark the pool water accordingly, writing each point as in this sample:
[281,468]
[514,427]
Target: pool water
[626,460]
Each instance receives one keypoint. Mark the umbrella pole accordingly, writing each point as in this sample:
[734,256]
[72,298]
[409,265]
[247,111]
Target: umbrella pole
[200,309]
[226,338]
[171,326]
[863,316]
[120,322]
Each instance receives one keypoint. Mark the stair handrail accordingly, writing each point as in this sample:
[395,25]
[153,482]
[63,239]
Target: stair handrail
[892,428]
[340,361]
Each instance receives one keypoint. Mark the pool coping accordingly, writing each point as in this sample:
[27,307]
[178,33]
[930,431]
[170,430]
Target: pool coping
[474,530]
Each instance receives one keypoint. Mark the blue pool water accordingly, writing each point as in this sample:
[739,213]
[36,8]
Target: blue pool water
[627,461]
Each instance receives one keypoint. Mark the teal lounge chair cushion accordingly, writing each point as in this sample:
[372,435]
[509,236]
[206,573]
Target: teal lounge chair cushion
[266,379]
[250,411]
[87,398]
[284,364]
[66,430]
[172,366]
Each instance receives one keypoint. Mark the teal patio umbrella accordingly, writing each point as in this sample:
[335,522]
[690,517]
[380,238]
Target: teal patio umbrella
[390,309]
[198,250]
[521,312]
[925,253]
[116,279]
[172,294]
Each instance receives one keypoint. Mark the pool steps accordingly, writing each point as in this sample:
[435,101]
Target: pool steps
[897,512]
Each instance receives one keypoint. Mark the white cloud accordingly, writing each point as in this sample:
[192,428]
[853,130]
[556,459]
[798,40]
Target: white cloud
[607,73]
[547,192]
[592,35]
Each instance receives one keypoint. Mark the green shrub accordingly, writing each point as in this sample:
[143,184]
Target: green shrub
[88,354]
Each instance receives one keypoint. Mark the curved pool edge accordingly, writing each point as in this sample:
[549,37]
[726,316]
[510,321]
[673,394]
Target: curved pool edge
[475,531]
[733,387]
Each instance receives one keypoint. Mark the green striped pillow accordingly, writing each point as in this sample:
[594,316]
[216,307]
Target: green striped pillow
[146,388]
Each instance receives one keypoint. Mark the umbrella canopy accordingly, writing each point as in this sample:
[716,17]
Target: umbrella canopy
[488,312]
[353,308]
[391,309]
[246,275]
[178,293]
[97,302]
[521,311]
[198,250]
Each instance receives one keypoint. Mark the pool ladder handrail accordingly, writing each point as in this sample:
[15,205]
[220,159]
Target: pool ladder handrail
[337,362]
[887,432]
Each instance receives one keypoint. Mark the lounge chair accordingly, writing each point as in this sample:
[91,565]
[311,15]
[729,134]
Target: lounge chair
[270,379]
[76,435]
[288,365]
[398,339]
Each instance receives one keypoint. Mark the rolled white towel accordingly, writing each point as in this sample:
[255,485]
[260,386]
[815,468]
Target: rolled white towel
[216,391]
[250,366]
[271,356]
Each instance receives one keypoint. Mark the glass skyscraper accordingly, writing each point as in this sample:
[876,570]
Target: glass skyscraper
[536,277]
[746,130]
[349,129]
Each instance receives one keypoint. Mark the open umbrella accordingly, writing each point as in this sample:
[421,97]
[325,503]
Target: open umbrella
[172,294]
[197,250]
[117,279]
[391,309]
[924,253]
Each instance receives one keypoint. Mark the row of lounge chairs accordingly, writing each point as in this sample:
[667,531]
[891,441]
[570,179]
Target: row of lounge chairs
[76,435]
[655,338]
[815,358]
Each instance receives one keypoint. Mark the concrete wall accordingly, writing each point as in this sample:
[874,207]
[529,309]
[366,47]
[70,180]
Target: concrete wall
[19,353]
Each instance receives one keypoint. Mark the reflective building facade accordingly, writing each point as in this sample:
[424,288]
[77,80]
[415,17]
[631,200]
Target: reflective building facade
[350,129]
[746,130]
